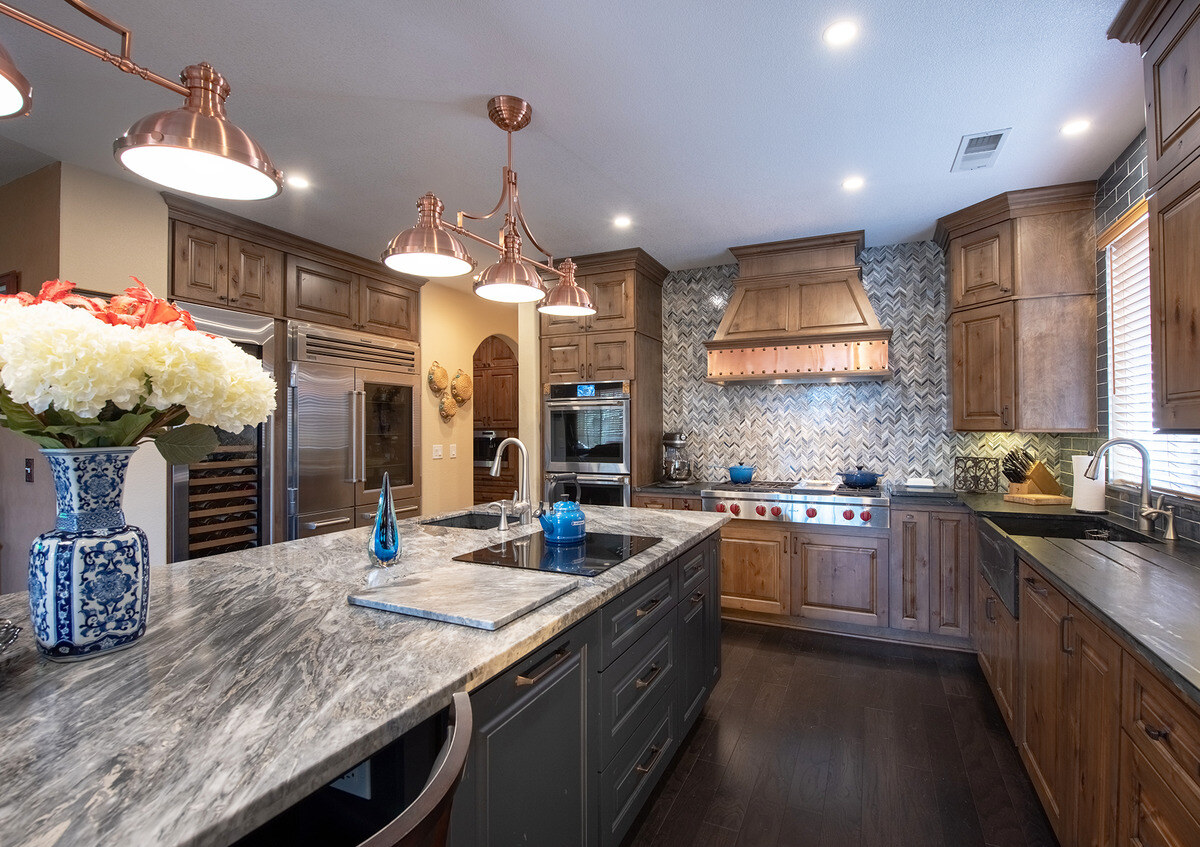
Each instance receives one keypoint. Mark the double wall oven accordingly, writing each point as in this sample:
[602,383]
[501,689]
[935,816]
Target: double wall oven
[353,415]
[587,435]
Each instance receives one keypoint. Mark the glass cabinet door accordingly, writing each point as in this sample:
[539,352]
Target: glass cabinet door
[390,437]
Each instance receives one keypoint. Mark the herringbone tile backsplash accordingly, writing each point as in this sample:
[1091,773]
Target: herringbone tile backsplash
[898,428]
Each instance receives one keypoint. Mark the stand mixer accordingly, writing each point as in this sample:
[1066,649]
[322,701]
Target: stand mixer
[677,467]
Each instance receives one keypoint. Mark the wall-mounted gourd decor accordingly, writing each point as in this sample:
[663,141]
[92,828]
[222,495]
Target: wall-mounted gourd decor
[448,408]
[462,387]
[438,378]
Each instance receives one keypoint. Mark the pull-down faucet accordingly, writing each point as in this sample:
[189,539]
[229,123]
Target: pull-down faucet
[1146,514]
[522,508]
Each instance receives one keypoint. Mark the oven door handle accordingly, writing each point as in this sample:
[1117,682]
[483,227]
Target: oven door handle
[584,405]
[600,480]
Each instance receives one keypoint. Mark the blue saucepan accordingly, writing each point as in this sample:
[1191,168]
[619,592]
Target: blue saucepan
[860,478]
[740,474]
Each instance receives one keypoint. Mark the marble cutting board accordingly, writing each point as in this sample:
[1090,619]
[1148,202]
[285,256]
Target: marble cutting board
[481,596]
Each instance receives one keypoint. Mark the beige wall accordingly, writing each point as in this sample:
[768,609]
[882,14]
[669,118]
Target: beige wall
[453,323]
[529,388]
[29,227]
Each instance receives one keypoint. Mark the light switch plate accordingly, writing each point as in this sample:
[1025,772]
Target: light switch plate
[453,451]
[437,451]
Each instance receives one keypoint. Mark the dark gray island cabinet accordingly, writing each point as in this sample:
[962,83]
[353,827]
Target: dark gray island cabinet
[570,740]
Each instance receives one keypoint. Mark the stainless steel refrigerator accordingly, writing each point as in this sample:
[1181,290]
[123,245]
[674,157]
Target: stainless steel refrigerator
[353,414]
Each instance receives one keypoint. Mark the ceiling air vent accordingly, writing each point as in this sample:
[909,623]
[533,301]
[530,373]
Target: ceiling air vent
[979,150]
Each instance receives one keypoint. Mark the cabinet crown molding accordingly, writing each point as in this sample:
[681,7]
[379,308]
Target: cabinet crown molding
[1069,197]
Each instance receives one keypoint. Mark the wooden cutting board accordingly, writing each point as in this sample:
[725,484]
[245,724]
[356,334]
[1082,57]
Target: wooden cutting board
[1039,499]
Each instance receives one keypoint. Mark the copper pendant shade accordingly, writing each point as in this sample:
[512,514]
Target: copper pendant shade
[428,249]
[566,297]
[196,148]
[16,94]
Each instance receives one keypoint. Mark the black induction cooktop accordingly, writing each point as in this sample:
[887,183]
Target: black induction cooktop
[598,552]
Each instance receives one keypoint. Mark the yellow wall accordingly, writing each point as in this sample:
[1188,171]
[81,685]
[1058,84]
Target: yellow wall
[529,391]
[453,323]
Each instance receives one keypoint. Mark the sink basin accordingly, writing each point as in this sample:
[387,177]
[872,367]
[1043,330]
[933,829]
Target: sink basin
[468,520]
[1062,526]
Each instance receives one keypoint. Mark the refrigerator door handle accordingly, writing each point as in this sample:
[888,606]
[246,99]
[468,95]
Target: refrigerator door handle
[354,426]
[362,435]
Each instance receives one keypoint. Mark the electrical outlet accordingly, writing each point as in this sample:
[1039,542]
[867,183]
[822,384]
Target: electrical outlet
[453,451]
[29,470]
[437,451]
[356,781]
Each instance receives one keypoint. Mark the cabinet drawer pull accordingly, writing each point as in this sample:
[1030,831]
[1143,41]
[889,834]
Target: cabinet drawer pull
[645,681]
[1066,644]
[1034,587]
[655,752]
[556,658]
[698,597]
[325,523]
[1157,734]
[987,609]
[648,608]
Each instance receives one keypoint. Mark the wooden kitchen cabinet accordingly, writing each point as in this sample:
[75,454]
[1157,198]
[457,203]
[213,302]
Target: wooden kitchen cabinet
[840,577]
[597,356]
[336,296]
[1070,674]
[222,270]
[995,633]
[625,287]
[494,373]
[929,571]
[1022,311]
[755,564]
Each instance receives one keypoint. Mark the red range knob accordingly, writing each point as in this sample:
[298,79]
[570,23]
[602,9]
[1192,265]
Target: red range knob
[776,511]
[762,510]
[848,514]
[736,509]
[866,516]
[720,507]
[811,512]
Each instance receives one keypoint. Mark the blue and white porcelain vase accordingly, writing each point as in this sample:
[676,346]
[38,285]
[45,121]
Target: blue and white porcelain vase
[89,577]
[384,544]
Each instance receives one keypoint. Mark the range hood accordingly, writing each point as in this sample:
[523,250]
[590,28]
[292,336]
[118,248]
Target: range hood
[799,313]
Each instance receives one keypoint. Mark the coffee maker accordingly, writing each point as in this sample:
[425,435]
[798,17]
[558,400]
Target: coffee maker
[677,467]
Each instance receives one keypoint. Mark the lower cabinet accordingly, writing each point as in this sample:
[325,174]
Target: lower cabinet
[840,577]
[1070,673]
[930,571]
[570,741]
[995,632]
[754,567]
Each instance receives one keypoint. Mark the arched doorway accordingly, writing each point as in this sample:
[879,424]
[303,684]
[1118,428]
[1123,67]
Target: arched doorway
[496,412]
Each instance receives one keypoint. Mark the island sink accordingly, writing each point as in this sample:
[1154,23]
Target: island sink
[469,520]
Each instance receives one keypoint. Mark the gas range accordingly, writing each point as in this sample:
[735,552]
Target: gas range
[792,502]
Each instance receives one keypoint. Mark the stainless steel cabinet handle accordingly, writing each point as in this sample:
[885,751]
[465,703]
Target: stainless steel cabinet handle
[370,516]
[556,658]
[1034,587]
[325,523]
[362,435]
[648,608]
[353,457]
[1066,644]
[645,681]
[655,752]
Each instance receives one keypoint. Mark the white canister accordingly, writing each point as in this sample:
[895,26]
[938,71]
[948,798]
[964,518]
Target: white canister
[1087,494]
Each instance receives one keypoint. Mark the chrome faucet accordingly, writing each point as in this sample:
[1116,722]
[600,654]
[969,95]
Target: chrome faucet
[1146,515]
[521,507]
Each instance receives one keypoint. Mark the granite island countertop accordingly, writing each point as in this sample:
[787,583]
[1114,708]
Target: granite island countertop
[257,683]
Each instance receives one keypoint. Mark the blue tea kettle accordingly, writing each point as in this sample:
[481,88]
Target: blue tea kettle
[563,523]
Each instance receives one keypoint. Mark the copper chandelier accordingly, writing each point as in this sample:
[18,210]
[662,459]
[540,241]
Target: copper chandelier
[194,148]
[432,249]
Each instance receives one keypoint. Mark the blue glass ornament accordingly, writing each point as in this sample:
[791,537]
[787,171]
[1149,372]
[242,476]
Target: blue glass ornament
[384,544]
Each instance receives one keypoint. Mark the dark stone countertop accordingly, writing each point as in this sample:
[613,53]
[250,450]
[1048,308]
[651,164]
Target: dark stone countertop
[692,489]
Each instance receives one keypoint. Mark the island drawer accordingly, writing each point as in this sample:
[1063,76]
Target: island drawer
[625,619]
[693,568]
[1164,728]
[631,685]
[636,769]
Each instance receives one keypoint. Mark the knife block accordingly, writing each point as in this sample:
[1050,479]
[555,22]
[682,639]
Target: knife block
[1040,488]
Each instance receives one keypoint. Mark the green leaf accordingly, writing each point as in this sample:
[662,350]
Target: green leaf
[46,441]
[17,416]
[186,444]
[128,428]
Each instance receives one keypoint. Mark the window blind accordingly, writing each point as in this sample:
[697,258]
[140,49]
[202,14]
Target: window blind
[1174,459]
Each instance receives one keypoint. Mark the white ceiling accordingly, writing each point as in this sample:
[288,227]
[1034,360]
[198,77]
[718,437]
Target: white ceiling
[711,124]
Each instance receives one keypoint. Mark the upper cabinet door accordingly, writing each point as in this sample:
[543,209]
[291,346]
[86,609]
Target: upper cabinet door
[1172,76]
[1175,301]
[612,296]
[387,309]
[981,266]
[255,277]
[982,359]
[610,356]
[199,265]
[321,293]
[563,359]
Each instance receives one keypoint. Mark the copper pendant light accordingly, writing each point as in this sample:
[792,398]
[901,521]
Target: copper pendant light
[194,148]
[16,94]
[567,298]
[430,249]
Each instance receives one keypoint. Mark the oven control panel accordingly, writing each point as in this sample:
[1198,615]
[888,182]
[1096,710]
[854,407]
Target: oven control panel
[830,511]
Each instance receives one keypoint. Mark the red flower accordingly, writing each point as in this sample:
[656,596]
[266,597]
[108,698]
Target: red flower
[136,307]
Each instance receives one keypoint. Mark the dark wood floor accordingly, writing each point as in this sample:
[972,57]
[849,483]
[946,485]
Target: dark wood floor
[819,741]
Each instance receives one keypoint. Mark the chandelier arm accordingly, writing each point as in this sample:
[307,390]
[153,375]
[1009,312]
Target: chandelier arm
[461,230]
[122,62]
[504,195]
[528,234]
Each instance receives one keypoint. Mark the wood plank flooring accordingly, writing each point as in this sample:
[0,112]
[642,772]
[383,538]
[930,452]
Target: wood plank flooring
[814,740]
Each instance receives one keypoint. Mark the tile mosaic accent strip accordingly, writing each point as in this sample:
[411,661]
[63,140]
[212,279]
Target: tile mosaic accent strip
[899,428]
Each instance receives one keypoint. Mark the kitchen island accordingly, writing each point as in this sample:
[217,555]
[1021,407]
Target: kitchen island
[257,683]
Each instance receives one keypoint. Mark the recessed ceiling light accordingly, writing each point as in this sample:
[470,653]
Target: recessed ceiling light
[1076,127]
[840,33]
[298,182]
[622,221]
[852,183]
